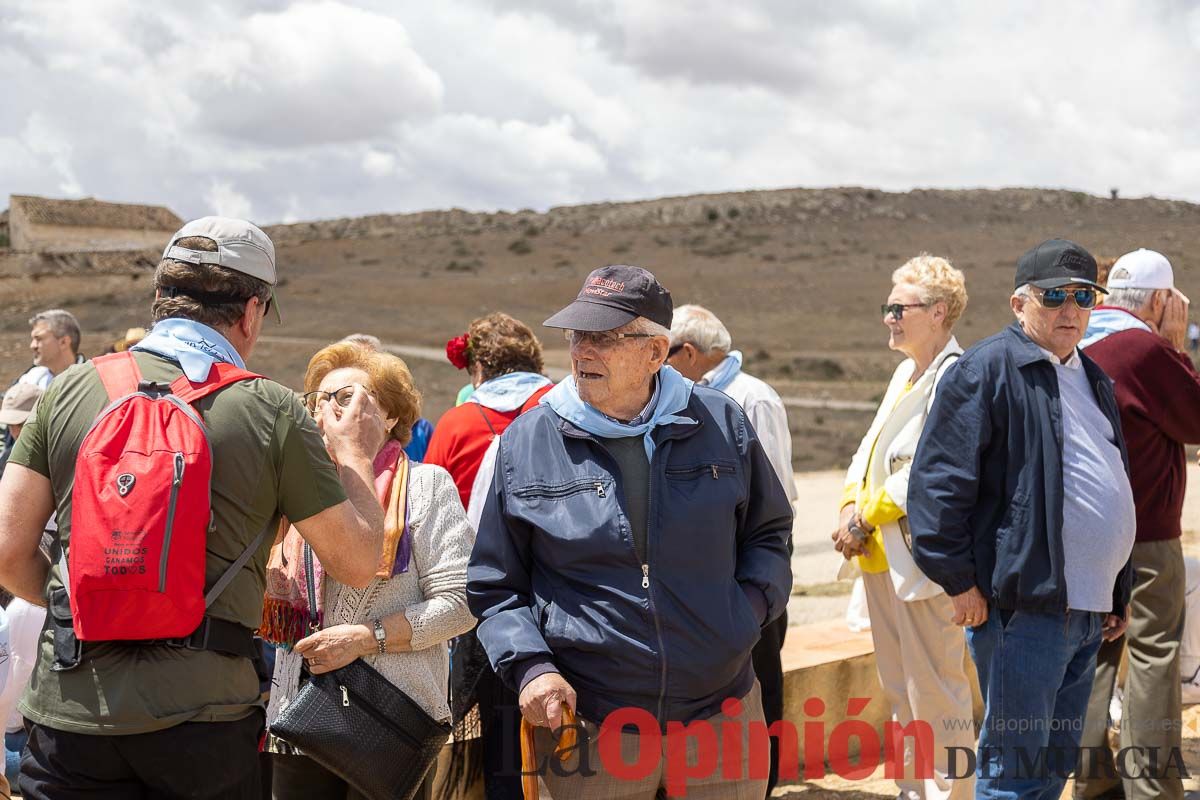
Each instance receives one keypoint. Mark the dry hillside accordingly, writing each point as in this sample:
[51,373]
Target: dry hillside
[797,275]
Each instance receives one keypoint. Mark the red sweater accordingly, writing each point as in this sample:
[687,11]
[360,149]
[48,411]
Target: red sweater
[462,436]
[1158,393]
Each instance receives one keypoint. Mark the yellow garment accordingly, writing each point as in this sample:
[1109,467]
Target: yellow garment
[876,508]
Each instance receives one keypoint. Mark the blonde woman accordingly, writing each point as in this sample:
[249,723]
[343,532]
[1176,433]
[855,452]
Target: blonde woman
[918,651]
[401,622]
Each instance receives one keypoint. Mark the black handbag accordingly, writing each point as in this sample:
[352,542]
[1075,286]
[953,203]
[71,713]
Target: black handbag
[362,727]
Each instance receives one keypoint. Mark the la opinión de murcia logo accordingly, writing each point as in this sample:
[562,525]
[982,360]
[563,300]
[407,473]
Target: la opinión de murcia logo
[742,750]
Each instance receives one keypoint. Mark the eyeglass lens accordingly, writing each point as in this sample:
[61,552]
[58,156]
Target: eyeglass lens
[1054,298]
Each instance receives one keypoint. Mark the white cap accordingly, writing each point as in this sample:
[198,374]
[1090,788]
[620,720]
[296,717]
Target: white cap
[1141,269]
[241,246]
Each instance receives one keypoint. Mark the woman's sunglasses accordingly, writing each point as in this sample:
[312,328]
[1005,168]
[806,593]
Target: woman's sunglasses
[896,310]
[1054,298]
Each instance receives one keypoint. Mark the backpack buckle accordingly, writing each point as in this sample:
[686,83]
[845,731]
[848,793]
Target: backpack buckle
[199,638]
[153,388]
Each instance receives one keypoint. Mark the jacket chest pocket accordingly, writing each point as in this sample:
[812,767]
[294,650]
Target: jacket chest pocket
[582,512]
[700,495]
[714,470]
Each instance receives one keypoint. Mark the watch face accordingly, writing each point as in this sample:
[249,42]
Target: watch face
[379,634]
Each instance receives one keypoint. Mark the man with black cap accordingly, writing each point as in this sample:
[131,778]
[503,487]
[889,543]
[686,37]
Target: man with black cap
[634,543]
[1020,507]
[179,717]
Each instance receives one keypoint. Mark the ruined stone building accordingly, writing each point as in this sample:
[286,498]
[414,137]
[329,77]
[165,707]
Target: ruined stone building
[45,225]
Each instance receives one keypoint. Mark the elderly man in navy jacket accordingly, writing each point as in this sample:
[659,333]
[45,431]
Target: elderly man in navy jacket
[633,545]
[1020,507]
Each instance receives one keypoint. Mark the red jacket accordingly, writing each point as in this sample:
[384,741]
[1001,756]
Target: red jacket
[463,434]
[1158,394]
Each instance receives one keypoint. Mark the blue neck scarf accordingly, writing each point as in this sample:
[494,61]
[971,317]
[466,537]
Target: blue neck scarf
[508,392]
[674,393]
[723,374]
[195,346]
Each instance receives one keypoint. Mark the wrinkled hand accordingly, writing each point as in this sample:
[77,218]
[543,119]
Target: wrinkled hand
[358,433]
[543,698]
[844,541]
[1174,320]
[1113,627]
[335,647]
[970,608]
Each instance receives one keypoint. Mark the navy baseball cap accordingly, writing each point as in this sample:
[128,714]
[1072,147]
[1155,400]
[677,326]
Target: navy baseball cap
[1055,263]
[613,296]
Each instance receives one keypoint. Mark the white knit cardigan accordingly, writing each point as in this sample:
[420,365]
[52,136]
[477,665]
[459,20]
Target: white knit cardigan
[432,594]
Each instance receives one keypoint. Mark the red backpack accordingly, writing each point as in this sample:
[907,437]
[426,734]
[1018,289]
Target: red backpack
[141,509]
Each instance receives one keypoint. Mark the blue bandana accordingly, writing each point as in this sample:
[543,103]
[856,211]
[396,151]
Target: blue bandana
[193,345]
[723,374]
[674,393]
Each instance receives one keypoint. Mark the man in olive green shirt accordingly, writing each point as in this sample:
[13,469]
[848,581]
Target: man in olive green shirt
[142,719]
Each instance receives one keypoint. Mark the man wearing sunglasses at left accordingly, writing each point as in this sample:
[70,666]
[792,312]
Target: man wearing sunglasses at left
[1020,506]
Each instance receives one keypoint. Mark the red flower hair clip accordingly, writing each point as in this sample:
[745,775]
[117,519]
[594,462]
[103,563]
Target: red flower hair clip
[457,350]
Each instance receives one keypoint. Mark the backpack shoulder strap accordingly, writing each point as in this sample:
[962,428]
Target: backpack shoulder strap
[220,375]
[119,373]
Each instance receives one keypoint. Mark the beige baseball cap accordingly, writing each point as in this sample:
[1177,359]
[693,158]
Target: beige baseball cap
[241,246]
[18,403]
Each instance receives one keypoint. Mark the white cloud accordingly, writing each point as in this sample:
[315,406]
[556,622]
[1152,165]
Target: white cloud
[302,110]
[227,201]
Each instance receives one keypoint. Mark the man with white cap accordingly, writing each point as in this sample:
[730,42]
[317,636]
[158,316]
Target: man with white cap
[1138,338]
[180,717]
[18,402]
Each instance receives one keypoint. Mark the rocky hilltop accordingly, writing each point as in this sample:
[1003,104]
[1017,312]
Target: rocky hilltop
[768,207]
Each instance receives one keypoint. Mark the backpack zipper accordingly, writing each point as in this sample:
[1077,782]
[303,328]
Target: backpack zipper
[166,551]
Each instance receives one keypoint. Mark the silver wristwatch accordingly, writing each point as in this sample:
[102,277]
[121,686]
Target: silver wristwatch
[380,636]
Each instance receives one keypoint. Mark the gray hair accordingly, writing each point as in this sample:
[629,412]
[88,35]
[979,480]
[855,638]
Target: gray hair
[61,323]
[699,327]
[1129,299]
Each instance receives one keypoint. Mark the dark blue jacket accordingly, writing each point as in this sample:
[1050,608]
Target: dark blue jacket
[554,573]
[985,496]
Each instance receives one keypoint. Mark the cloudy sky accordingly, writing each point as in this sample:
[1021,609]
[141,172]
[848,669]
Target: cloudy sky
[283,111]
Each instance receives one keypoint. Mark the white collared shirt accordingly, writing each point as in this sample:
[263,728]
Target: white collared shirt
[1099,521]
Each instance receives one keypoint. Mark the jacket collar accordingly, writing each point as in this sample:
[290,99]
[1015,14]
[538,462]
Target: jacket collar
[1025,351]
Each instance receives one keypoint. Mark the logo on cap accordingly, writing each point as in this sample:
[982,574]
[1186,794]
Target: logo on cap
[1073,262]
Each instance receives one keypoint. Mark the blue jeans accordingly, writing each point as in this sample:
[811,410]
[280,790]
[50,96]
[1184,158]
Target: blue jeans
[1035,672]
[14,743]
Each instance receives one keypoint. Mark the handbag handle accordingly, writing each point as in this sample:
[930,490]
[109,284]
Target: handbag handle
[566,743]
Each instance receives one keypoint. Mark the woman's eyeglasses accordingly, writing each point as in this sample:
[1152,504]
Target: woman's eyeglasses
[312,400]
[601,340]
[1054,298]
[896,310]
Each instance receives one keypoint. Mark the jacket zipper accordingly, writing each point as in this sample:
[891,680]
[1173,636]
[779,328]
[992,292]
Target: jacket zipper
[166,551]
[662,649]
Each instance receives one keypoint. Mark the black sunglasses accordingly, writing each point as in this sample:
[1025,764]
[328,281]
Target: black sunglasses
[1054,298]
[674,349]
[897,309]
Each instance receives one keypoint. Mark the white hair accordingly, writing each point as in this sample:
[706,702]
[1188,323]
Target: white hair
[1023,291]
[699,327]
[643,325]
[1129,299]
[364,340]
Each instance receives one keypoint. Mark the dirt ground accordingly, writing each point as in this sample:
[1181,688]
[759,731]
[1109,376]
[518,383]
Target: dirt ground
[800,290]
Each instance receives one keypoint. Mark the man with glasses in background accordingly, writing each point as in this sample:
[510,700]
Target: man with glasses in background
[633,545]
[1020,506]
